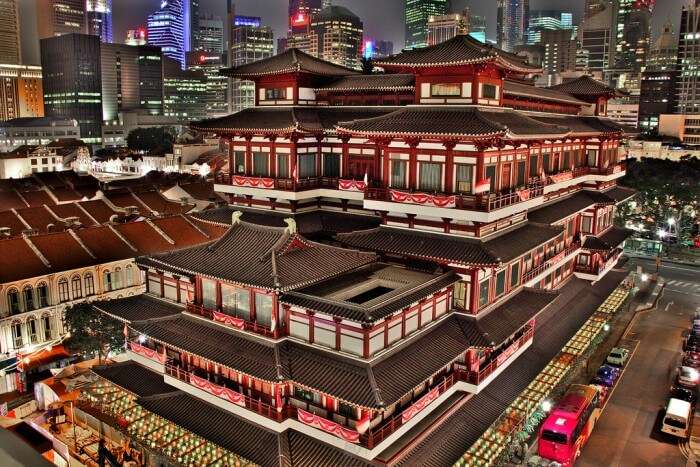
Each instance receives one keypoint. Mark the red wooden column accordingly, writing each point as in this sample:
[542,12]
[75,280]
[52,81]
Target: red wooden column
[219,301]
[293,157]
[386,166]
[251,305]
[273,156]
[231,161]
[479,175]
[198,290]
[449,167]
[319,156]
[600,154]
[345,161]
[474,296]
[248,156]
[413,164]
[365,340]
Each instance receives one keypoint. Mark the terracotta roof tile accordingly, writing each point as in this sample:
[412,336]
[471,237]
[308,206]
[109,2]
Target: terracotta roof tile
[40,218]
[161,205]
[10,220]
[105,244]
[66,210]
[185,234]
[37,198]
[18,261]
[125,200]
[98,209]
[62,251]
[10,200]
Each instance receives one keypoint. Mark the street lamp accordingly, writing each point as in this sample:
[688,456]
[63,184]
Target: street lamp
[644,277]
[546,405]
[606,327]
[671,221]
[661,233]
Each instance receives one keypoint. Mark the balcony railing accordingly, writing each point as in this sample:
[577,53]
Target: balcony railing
[256,405]
[486,202]
[599,268]
[241,324]
[283,184]
[548,264]
[477,377]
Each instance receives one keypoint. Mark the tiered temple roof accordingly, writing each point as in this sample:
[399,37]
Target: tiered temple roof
[452,249]
[561,209]
[607,241]
[585,86]
[458,51]
[291,61]
[376,82]
[515,88]
[138,308]
[268,257]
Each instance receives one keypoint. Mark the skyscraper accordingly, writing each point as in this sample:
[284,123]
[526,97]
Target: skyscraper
[559,51]
[170,28]
[250,42]
[547,19]
[633,41]
[336,36]
[131,79]
[416,16]
[10,51]
[659,80]
[210,35]
[688,90]
[98,18]
[21,91]
[444,27]
[597,34]
[477,28]
[57,17]
[301,14]
[513,18]
[72,81]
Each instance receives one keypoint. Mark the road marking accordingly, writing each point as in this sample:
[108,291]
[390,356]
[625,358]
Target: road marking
[668,305]
[684,292]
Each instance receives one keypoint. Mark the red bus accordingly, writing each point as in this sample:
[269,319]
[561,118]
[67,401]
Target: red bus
[567,428]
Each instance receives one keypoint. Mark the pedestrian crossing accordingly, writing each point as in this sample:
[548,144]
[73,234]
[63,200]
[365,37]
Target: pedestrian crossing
[683,284]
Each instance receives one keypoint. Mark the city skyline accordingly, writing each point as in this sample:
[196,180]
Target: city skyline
[384,22]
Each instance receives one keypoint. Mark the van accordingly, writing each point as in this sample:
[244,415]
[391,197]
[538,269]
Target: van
[676,421]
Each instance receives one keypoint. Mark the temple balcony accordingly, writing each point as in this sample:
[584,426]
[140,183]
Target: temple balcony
[286,188]
[234,322]
[596,271]
[533,276]
[486,208]
[566,178]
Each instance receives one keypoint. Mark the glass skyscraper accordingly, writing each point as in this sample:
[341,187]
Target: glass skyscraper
[171,27]
[416,17]
[98,16]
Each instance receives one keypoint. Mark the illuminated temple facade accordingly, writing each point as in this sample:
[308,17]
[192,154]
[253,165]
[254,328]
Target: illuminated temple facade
[391,240]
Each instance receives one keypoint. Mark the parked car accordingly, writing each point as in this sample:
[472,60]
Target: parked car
[692,343]
[688,377]
[607,375]
[618,356]
[684,394]
[691,359]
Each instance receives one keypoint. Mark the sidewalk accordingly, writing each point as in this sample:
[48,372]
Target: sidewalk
[695,262]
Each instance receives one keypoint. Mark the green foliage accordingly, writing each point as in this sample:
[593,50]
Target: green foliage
[156,139]
[367,65]
[92,332]
[667,189]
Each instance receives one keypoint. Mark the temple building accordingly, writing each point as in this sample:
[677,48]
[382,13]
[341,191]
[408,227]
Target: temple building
[391,241]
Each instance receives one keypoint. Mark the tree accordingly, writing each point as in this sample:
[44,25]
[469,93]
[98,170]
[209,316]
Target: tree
[151,139]
[367,65]
[667,190]
[92,332]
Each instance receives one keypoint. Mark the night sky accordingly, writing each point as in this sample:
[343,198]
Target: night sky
[383,19]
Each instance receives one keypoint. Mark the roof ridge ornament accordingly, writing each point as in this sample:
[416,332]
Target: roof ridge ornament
[291,228]
[236,217]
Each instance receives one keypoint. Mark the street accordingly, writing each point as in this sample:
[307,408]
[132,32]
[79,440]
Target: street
[627,433]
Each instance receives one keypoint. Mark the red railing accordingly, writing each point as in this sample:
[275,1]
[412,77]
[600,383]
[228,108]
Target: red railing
[597,269]
[487,202]
[551,262]
[378,434]
[248,326]
[287,184]
[476,378]
[256,405]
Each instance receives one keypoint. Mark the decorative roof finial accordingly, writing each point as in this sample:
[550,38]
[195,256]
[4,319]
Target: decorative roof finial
[291,226]
[236,218]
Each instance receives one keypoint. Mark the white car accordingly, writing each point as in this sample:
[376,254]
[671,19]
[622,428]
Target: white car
[688,377]
[618,356]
